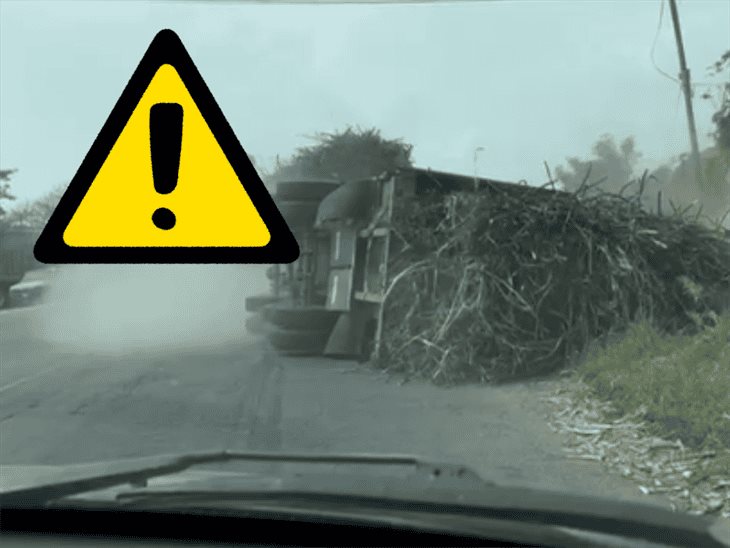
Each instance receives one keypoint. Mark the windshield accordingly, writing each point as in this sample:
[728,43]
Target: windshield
[511,220]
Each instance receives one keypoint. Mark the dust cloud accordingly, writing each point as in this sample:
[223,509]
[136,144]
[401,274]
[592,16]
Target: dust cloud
[125,308]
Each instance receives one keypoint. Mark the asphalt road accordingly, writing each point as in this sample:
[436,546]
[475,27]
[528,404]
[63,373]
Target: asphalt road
[65,404]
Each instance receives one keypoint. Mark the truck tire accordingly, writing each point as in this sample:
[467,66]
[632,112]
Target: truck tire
[301,319]
[299,214]
[257,302]
[305,190]
[292,342]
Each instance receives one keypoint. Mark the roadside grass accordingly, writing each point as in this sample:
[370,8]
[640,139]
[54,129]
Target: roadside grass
[680,384]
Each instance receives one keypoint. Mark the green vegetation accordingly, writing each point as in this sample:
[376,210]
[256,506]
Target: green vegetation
[721,118]
[5,193]
[680,383]
[352,153]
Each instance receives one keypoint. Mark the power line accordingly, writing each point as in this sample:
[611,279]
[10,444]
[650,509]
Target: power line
[653,45]
[659,69]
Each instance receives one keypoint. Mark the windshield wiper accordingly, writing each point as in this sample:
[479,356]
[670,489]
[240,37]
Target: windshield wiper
[39,495]
[511,504]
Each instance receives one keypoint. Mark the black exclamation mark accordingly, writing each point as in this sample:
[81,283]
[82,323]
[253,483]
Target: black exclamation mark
[165,146]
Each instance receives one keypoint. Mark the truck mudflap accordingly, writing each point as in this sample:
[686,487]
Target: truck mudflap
[353,336]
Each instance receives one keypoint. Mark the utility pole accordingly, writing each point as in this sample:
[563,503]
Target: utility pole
[687,90]
[477,150]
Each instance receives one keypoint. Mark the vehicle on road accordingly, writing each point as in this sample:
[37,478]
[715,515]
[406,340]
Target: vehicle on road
[16,258]
[31,289]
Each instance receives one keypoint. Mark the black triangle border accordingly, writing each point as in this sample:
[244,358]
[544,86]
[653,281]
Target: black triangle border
[166,48]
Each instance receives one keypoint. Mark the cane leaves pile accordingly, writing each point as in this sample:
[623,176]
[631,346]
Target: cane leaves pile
[512,281]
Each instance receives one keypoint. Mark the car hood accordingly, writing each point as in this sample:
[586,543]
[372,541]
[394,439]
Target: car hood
[390,483]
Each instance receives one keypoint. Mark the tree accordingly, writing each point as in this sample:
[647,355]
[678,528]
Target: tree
[5,193]
[721,118]
[35,214]
[345,155]
[613,164]
[612,169]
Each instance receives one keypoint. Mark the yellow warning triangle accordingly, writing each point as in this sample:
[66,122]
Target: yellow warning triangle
[166,180]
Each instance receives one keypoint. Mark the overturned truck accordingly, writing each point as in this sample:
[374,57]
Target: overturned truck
[459,279]
[330,301]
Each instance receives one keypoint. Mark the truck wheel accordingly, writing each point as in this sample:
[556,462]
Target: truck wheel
[298,343]
[305,190]
[301,319]
[257,302]
[299,213]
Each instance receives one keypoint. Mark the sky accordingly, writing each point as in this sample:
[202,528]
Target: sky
[526,81]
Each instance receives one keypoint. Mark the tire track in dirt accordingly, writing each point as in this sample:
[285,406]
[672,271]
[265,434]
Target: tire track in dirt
[260,410]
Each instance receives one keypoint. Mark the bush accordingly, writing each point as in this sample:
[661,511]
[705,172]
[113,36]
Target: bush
[681,382]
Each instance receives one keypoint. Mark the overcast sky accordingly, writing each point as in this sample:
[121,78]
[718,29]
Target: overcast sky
[528,81]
